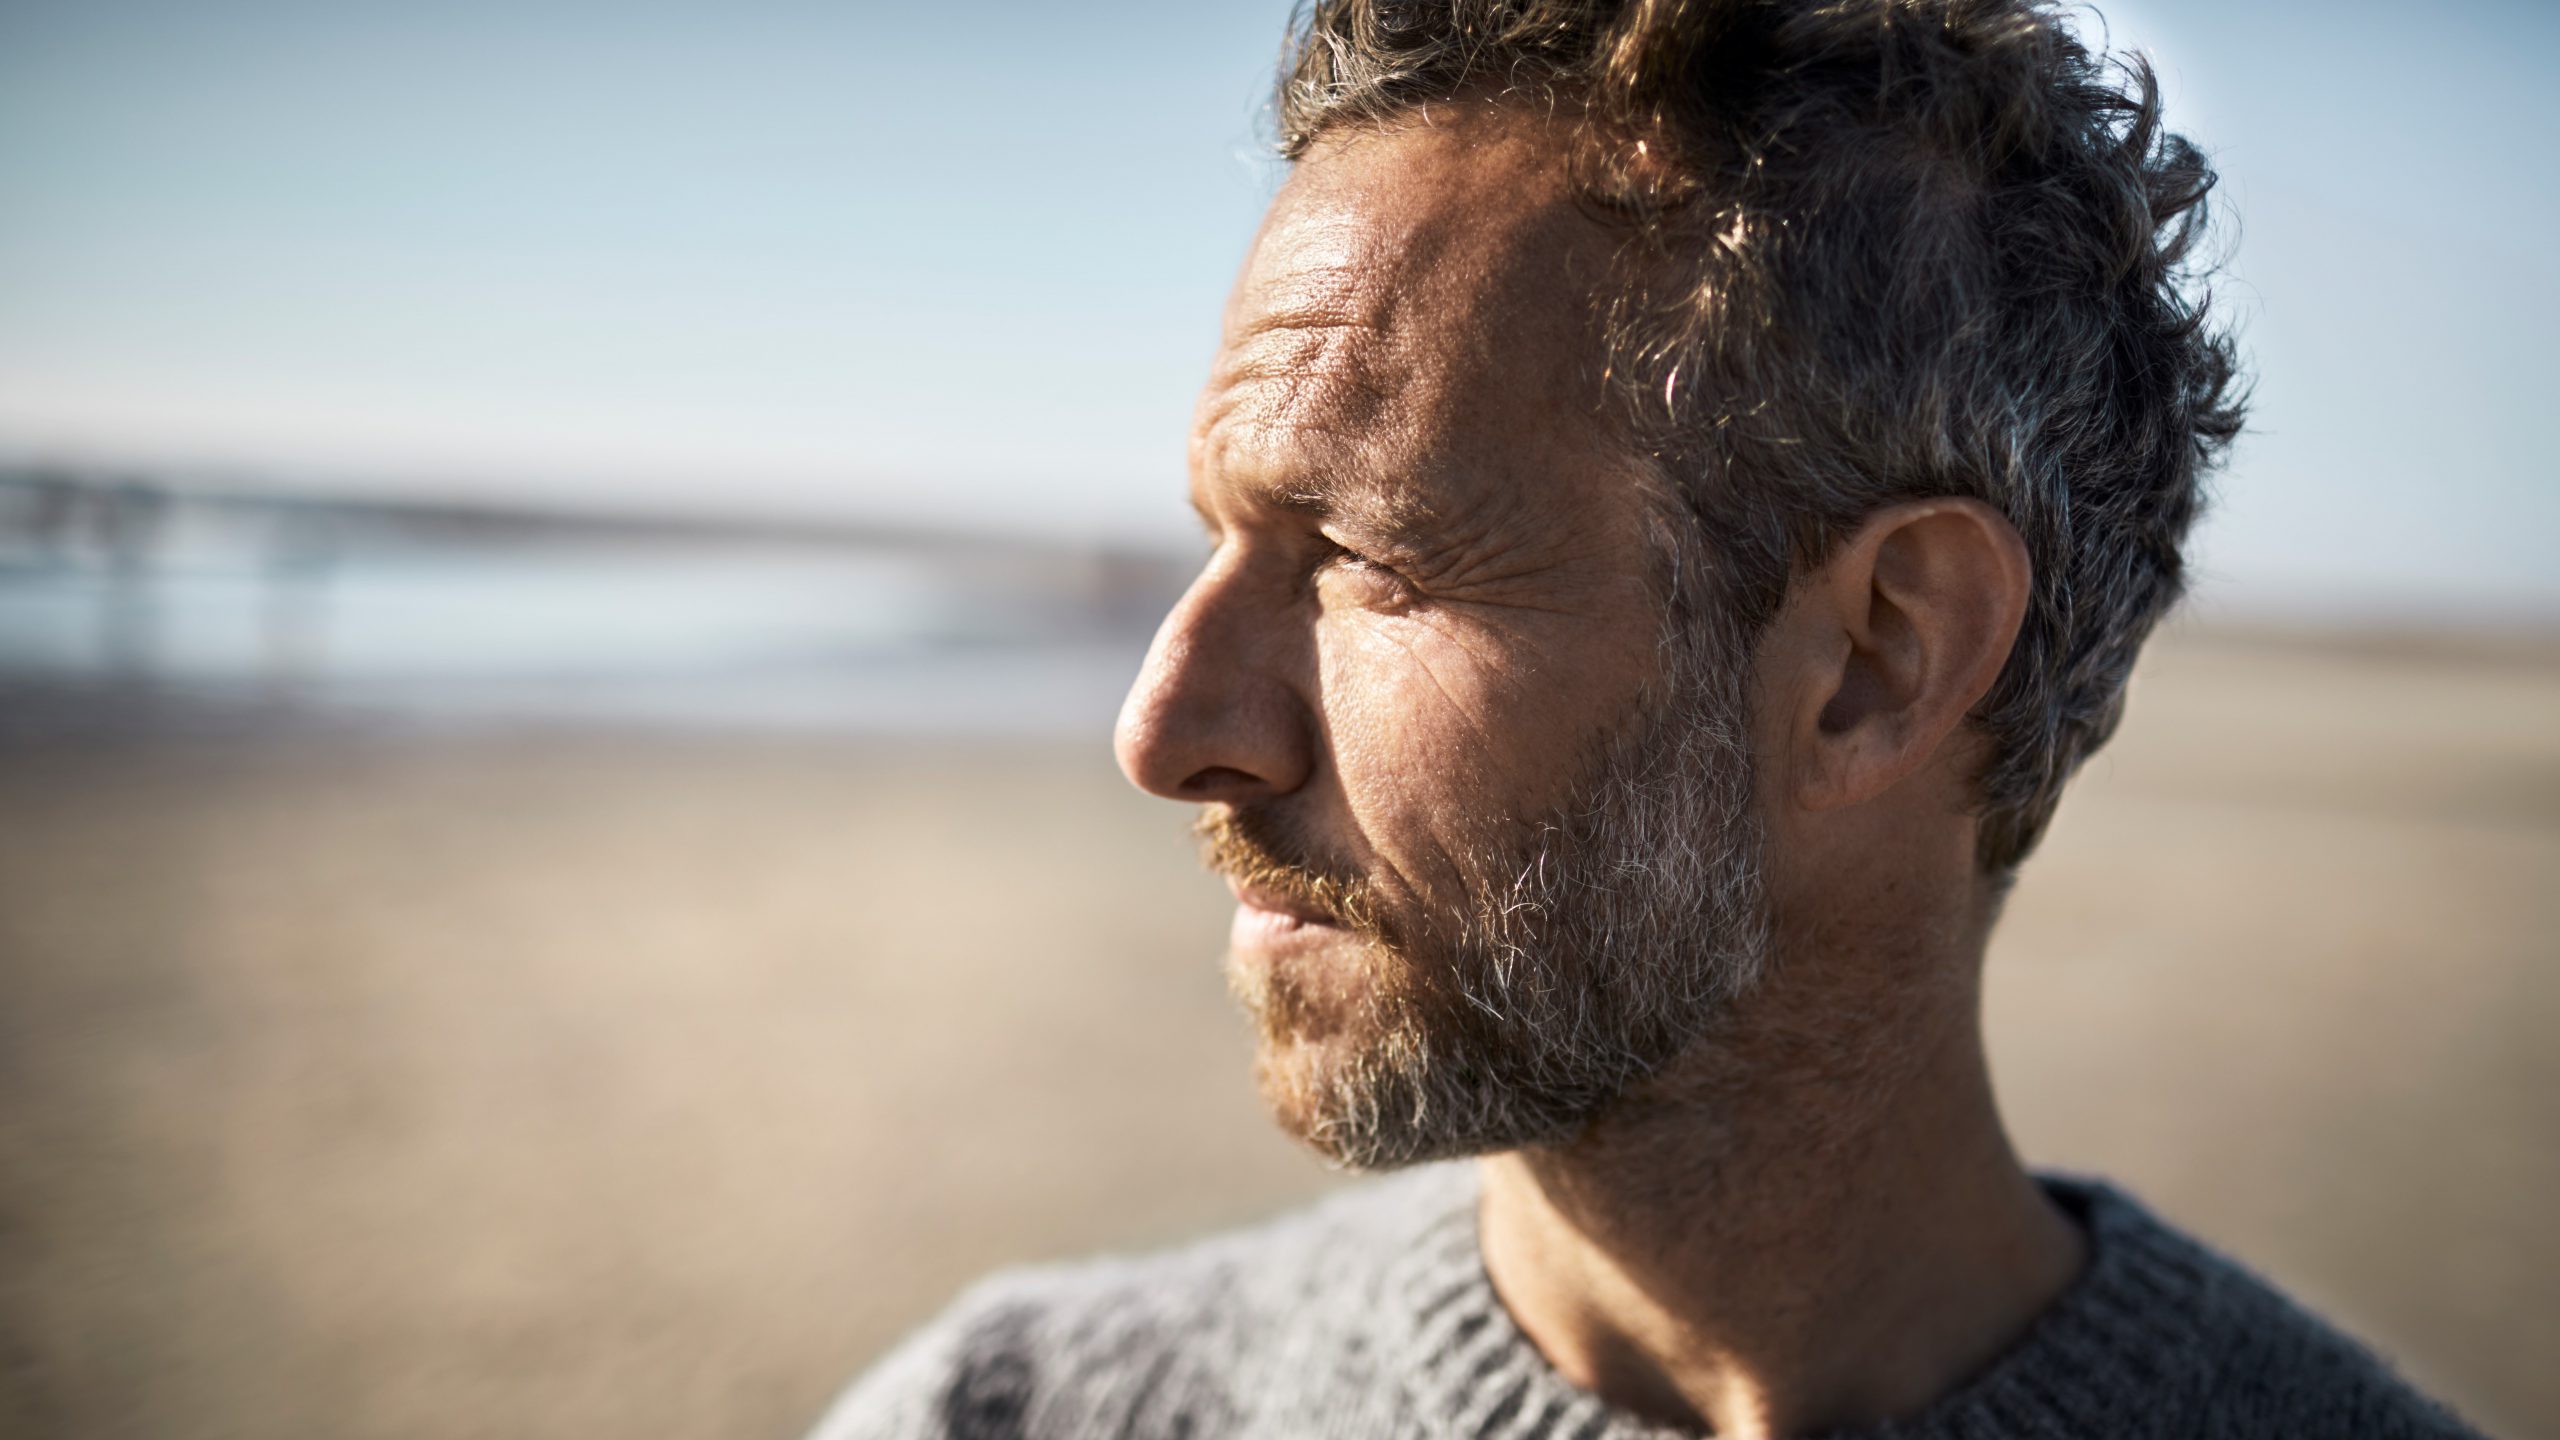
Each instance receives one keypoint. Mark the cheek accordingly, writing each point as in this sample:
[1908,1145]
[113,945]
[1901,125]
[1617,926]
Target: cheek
[1441,735]
[1407,724]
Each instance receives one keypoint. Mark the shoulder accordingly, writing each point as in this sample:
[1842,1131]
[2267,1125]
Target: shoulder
[2255,1362]
[1175,1342]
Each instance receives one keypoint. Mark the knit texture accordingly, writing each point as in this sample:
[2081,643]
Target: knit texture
[1370,1315]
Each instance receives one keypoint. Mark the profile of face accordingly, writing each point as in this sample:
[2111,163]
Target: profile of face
[1486,810]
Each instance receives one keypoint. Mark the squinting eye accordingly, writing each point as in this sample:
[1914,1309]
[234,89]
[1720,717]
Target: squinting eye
[1370,581]
[1339,555]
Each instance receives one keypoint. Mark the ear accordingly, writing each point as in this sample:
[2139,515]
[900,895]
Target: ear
[1886,648]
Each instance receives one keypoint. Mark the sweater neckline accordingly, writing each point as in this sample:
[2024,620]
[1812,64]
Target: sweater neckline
[2126,1329]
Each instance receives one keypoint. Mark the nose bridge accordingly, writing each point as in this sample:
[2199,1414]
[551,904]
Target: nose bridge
[1211,715]
[1184,651]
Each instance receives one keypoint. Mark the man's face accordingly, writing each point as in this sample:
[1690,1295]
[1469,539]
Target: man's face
[1485,814]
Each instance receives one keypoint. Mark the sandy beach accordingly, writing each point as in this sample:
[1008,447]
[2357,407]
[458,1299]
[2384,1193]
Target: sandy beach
[568,1084]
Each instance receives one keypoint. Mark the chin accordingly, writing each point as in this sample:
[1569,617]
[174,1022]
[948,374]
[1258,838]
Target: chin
[1323,1060]
[1361,1097]
[1291,1081]
[1311,993]
[1372,1072]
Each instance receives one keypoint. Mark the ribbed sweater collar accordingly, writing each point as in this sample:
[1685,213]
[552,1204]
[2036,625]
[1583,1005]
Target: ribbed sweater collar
[2127,1331]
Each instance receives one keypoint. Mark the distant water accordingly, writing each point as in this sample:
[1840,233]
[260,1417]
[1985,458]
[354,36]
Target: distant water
[724,637]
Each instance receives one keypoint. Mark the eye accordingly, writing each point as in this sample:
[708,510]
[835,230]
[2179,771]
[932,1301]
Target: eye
[1363,580]
[1333,553]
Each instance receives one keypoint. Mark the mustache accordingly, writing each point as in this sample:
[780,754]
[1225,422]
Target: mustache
[1256,849]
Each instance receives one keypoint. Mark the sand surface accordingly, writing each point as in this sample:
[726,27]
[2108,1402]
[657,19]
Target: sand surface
[572,1086]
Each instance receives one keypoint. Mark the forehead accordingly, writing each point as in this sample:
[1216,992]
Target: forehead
[1423,288]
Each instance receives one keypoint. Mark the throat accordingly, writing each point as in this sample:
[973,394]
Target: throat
[1753,1253]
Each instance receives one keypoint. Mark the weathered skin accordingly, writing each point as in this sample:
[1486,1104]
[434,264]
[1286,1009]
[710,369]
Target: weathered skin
[1430,589]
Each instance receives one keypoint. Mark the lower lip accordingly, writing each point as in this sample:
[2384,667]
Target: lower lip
[1272,930]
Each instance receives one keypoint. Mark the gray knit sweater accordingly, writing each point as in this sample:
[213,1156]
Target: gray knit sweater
[1370,1315]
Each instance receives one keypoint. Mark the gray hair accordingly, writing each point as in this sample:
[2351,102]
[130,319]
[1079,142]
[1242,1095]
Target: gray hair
[1878,250]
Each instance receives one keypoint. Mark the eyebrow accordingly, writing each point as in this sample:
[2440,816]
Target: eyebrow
[1354,501]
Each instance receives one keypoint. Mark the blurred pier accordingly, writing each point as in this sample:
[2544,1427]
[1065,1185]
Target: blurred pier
[133,600]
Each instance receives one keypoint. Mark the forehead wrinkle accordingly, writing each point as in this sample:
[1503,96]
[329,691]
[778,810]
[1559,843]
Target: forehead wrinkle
[1311,337]
[1304,469]
[1311,384]
[1318,376]
[1382,311]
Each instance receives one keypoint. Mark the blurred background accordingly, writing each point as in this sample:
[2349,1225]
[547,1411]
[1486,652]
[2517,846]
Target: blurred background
[564,573]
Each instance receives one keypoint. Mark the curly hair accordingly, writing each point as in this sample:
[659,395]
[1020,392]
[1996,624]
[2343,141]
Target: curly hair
[1878,250]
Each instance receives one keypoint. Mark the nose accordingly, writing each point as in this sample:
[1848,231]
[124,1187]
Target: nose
[1213,716]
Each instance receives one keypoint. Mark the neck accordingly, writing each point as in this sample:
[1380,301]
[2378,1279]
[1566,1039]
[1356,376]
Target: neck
[1813,1221]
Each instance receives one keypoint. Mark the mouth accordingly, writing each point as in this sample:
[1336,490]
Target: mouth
[1266,920]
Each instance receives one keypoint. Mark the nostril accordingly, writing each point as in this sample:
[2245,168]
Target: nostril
[1216,780]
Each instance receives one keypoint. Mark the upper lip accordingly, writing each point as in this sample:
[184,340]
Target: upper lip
[1261,899]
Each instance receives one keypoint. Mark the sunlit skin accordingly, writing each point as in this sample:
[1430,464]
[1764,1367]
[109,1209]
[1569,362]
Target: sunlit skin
[1426,591]
[1429,590]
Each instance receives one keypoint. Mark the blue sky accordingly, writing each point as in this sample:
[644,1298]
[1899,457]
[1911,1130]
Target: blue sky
[964,264]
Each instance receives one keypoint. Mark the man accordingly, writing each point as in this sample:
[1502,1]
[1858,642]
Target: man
[1688,480]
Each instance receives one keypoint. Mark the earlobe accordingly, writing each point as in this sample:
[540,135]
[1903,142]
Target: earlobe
[1906,627]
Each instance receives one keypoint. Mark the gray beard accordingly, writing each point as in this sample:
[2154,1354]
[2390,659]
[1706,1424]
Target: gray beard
[1580,964]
